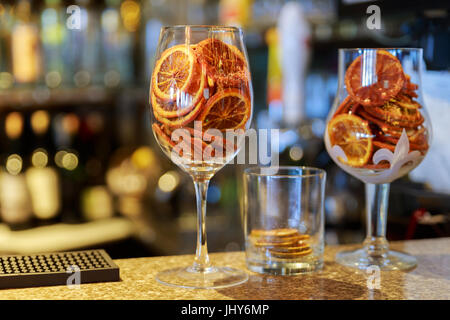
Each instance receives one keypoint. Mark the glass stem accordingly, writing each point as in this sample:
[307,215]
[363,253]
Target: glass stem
[201,262]
[377,202]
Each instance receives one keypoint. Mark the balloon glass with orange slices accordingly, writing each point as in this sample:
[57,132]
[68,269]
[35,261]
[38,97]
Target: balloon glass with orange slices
[201,106]
[378,130]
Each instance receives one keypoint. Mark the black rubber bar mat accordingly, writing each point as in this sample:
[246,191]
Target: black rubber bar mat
[59,268]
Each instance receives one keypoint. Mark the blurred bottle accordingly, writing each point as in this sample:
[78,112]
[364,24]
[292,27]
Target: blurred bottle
[6,24]
[43,185]
[149,37]
[25,45]
[117,41]
[15,204]
[274,78]
[53,35]
[96,200]
[82,48]
[41,176]
[235,12]
[66,128]
[294,32]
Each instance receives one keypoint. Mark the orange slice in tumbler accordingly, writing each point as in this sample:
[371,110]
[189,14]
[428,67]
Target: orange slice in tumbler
[228,109]
[354,136]
[174,72]
[374,80]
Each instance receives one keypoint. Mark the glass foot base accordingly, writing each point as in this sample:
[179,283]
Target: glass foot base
[214,278]
[392,260]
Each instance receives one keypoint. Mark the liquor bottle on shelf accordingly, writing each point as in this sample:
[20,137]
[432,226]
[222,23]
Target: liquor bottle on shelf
[149,39]
[82,48]
[15,207]
[117,43]
[6,23]
[41,176]
[235,12]
[96,199]
[66,128]
[53,35]
[25,45]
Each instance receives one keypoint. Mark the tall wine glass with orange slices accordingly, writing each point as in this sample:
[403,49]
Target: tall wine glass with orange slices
[201,99]
[377,131]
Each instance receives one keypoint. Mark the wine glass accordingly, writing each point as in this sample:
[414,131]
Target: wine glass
[201,99]
[377,131]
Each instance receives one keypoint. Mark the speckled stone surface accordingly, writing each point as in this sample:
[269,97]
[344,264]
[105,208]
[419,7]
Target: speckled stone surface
[430,280]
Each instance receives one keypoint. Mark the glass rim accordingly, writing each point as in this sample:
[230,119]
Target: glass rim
[256,172]
[203,27]
[390,48]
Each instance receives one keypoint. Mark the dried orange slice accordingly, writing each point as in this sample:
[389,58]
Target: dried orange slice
[422,145]
[227,109]
[215,142]
[388,74]
[290,255]
[383,145]
[162,137]
[225,63]
[385,126]
[282,232]
[346,106]
[180,121]
[409,88]
[379,166]
[174,72]
[189,146]
[184,101]
[354,136]
[397,113]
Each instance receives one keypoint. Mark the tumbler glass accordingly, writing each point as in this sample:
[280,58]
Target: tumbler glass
[283,213]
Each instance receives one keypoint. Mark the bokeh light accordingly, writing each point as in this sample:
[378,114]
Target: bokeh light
[39,159]
[169,181]
[14,125]
[14,164]
[40,121]
[69,161]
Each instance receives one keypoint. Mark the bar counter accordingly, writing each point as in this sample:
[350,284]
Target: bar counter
[429,280]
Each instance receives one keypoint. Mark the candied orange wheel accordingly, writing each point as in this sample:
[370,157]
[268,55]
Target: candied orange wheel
[178,122]
[227,109]
[184,101]
[423,145]
[225,64]
[189,147]
[389,75]
[162,137]
[384,145]
[398,133]
[346,106]
[214,141]
[386,127]
[174,72]
[354,136]
[379,166]
[397,114]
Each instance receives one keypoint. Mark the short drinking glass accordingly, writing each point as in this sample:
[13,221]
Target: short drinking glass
[284,219]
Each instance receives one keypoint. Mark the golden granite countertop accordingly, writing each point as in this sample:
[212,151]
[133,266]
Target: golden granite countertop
[430,280]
